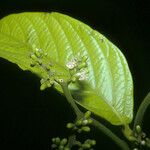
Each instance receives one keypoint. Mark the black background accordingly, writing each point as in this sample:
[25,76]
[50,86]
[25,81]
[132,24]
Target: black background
[30,118]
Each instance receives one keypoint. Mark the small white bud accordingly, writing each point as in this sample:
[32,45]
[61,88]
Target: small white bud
[85,122]
[143,142]
[82,75]
[71,64]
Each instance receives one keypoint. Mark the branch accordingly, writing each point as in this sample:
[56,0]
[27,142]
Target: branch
[70,99]
[122,144]
[141,111]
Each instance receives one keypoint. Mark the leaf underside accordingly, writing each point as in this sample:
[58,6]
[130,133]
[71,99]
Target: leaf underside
[108,91]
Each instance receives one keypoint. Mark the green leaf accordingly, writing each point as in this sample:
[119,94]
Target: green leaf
[108,90]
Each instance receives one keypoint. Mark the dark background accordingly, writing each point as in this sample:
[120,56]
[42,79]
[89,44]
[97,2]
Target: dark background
[30,118]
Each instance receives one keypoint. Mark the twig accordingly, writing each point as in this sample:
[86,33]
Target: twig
[122,144]
[71,100]
[141,111]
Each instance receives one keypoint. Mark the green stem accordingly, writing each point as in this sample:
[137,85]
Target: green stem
[71,140]
[141,111]
[70,99]
[128,133]
[122,144]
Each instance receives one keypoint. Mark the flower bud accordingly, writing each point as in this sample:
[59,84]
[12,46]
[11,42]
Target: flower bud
[38,54]
[143,142]
[73,79]
[53,139]
[43,86]
[90,121]
[138,129]
[63,141]
[82,65]
[57,140]
[85,122]
[53,146]
[61,147]
[85,128]
[84,58]
[79,130]
[33,57]
[70,125]
[93,142]
[32,64]
[87,114]
[78,122]
[86,145]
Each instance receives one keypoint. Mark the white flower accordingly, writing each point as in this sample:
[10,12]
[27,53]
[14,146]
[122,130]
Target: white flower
[71,64]
[82,75]
[85,122]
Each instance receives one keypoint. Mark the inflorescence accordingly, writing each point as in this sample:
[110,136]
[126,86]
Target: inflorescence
[59,144]
[81,125]
[74,70]
[77,67]
[141,139]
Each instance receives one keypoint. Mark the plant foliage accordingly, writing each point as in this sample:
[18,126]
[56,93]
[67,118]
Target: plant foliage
[107,90]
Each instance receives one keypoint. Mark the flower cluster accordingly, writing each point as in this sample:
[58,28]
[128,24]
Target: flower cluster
[53,71]
[36,56]
[59,144]
[45,83]
[88,144]
[81,124]
[78,127]
[141,138]
[77,67]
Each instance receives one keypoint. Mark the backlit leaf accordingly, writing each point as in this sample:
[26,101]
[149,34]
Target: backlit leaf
[108,90]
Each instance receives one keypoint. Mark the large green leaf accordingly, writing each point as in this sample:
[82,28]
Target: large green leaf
[108,91]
